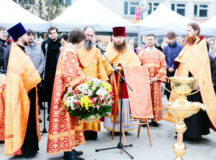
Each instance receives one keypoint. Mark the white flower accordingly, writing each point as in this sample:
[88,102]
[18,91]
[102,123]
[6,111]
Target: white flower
[71,104]
[94,86]
[90,92]
[70,89]
[71,99]
[72,107]
[83,88]
[96,81]
[68,103]
[101,92]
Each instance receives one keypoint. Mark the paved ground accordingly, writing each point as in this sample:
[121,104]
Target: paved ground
[162,139]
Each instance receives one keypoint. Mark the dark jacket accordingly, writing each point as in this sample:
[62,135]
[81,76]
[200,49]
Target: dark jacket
[51,51]
[213,71]
[3,46]
[171,51]
[6,56]
[7,53]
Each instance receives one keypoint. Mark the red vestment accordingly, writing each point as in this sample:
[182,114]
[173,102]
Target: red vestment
[2,106]
[65,131]
[155,61]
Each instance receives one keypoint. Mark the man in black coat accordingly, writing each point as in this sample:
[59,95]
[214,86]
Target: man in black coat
[51,50]
[3,46]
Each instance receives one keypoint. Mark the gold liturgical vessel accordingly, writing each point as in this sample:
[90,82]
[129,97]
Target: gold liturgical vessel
[181,108]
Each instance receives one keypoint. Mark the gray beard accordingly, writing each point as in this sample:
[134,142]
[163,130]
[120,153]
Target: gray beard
[88,45]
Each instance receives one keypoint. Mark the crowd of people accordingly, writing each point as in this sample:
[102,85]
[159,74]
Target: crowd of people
[41,70]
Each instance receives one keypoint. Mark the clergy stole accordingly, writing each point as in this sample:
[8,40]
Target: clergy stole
[125,58]
[22,76]
[140,96]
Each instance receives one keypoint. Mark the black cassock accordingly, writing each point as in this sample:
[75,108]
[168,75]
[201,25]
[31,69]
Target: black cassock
[199,124]
[51,51]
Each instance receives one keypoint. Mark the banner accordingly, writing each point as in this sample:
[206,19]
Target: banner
[138,14]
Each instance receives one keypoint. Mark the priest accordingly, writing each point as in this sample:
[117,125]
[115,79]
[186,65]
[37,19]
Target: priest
[92,67]
[193,61]
[21,111]
[121,55]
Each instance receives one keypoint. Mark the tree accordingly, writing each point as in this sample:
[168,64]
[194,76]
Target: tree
[45,9]
[39,8]
[53,9]
[25,4]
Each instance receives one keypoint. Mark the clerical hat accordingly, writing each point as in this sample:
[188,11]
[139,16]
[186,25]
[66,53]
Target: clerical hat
[119,31]
[16,31]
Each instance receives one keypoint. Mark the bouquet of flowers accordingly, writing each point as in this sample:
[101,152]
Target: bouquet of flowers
[90,99]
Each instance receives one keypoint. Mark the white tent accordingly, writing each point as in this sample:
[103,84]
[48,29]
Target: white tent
[11,14]
[163,20]
[90,12]
[211,22]
[209,26]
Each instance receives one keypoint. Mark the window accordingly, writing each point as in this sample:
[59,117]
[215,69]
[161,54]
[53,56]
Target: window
[31,2]
[201,10]
[19,1]
[179,8]
[61,2]
[130,7]
[125,8]
[133,6]
[68,2]
[152,7]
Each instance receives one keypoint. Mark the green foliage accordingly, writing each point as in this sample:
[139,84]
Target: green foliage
[53,9]
[45,9]
[25,4]
[39,8]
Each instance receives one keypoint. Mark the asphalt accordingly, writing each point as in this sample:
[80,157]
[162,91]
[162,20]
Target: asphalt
[163,137]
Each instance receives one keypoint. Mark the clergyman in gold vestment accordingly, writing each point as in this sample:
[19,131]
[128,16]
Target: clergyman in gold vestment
[92,67]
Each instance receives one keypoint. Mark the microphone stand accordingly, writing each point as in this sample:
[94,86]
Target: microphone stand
[44,131]
[122,81]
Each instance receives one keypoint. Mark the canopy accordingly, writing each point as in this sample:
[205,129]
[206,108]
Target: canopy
[163,20]
[211,22]
[209,27]
[90,12]
[11,14]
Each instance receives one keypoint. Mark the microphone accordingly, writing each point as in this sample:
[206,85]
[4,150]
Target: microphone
[99,47]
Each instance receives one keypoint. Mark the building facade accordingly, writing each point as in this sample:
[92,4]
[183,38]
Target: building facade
[198,10]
